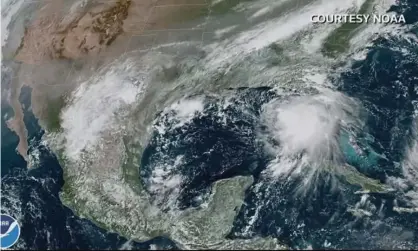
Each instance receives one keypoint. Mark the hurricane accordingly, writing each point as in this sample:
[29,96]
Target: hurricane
[249,127]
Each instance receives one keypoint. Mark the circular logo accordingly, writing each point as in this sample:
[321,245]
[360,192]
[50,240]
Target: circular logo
[10,231]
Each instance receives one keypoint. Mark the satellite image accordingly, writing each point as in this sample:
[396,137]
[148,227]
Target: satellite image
[209,124]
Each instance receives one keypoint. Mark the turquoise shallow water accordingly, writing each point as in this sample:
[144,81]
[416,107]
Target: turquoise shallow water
[321,221]
[361,156]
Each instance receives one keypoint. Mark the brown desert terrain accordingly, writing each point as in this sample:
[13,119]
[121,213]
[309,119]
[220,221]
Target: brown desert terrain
[67,37]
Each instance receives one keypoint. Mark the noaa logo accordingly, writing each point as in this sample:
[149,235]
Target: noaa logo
[10,231]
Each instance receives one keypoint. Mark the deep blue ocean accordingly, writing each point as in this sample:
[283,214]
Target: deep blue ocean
[32,196]
[45,222]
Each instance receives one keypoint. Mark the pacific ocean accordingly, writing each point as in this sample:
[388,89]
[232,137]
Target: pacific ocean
[386,81]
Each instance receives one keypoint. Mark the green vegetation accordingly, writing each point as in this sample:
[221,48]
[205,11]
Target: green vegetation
[338,41]
[209,226]
[354,177]
[223,7]
[130,166]
[53,120]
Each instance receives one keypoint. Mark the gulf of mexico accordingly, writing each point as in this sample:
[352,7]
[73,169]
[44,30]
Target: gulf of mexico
[32,197]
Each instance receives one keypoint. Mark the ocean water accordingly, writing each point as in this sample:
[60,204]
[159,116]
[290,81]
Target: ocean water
[32,198]
[219,143]
[220,139]
[386,83]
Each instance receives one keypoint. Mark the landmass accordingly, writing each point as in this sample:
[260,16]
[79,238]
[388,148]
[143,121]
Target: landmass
[101,184]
